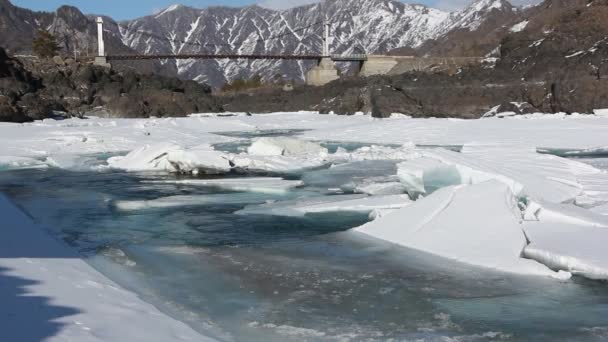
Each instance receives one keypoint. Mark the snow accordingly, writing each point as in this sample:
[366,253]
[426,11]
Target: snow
[455,223]
[519,27]
[349,203]
[49,293]
[578,249]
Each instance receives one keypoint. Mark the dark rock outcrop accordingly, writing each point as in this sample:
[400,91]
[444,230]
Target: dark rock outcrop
[36,89]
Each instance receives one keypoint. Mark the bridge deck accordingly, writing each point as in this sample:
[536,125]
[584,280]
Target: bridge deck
[337,58]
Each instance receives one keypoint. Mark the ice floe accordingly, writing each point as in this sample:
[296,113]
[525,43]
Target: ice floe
[274,164]
[476,224]
[251,184]
[577,249]
[14,162]
[191,200]
[173,158]
[351,203]
[283,146]
[563,213]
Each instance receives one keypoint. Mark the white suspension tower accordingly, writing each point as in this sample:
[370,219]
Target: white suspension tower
[326,38]
[101,59]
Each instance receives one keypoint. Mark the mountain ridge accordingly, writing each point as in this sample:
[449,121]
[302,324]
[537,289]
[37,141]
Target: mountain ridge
[360,26]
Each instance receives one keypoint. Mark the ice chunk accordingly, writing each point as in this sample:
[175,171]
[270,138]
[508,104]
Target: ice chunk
[282,146]
[13,162]
[352,203]
[146,158]
[563,213]
[577,249]
[173,158]
[376,152]
[380,188]
[453,223]
[424,175]
[263,185]
[275,164]
[191,200]
[350,174]
[199,159]
[527,173]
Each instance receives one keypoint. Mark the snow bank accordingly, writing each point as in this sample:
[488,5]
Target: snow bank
[173,158]
[577,249]
[352,203]
[250,184]
[49,293]
[477,225]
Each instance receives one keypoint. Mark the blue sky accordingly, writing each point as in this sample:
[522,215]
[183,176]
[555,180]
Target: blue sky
[128,9]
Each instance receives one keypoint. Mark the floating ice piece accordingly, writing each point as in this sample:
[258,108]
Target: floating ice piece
[352,203]
[453,223]
[146,158]
[563,213]
[263,185]
[13,162]
[275,164]
[173,158]
[350,174]
[282,146]
[376,152]
[577,249]
[199,159]
[424,175]
[380,188]
[191,200]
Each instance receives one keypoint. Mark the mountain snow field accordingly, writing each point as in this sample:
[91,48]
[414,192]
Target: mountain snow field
[521,196]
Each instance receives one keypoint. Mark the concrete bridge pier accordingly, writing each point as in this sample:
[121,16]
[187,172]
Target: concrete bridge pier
[377,65]
[323,73]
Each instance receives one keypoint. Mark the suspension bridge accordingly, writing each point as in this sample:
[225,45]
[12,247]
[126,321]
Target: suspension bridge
[324,72]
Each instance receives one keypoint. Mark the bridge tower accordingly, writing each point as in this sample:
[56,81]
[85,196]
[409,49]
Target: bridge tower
[325,71]
[101,58]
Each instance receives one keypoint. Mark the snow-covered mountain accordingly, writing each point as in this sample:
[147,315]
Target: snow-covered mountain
[358,26]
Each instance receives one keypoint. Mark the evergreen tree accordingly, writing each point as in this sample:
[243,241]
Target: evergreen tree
[45,44]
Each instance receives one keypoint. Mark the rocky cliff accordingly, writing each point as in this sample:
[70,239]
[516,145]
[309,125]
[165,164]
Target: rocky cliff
[36,89]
